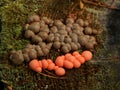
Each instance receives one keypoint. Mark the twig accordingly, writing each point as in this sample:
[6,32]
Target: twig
[52,76]
[100,4]
[76,3]
[49,72]
[112,2]
[73,7]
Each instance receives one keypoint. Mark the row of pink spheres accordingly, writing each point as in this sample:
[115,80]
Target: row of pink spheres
[67,61]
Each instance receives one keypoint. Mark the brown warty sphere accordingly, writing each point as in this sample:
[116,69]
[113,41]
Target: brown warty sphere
[26,57]
[88,30]
[64,49]
[35,27]
[36,39]
[29,34]
[33,18]
[51,37]
[74,46]
[32,54]
[69,20]
[80,22]
[56,45]
[17,57]
[39,51]
[43,35]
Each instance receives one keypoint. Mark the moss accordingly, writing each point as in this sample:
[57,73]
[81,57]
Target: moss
[14,76]
[13,16]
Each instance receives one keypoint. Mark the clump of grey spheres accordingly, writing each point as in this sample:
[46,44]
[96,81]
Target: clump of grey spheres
[45,33]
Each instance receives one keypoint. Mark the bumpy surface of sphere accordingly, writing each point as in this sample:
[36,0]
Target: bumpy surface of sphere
[17,57]
[33,18]
[29,34]
[35,27]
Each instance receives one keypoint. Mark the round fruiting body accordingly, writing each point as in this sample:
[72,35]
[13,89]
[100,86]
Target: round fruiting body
[60,71]
[87,55]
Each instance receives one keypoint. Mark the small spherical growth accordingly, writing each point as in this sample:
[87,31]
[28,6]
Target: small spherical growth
[46,20]
[51,37]
[56,39]
[80,22]
[80,58]
[67,39]
[36,39]
[26,57]
[75,53]
[64,49]
[44,28]
[39,51]
[76,64]
[68,46]
[58,23]
[29,34]
[74,46]
[74,37]
[35,27]
[49,45]
[33,18]
[68,29]
[78,45]
[78,32]
[83,40]
[32,54]
[69,25]
[67,64]
[49,61]
[40,63]
[44,64]
[88,30]
[89,45]
[92,38]
[54,29]
[75,26]
[34,65]
[59,61]
[17,57]
[87,55]
[42,44]
[43,35]
[86,23]
[60,71]
[94,31]
[45,51]
[26,27]
[28,47]
[51,66]
[62,37]
[68,56]
[56,45]
[69,20]
[61,27]
[62,32]
[56,67]
[39,69]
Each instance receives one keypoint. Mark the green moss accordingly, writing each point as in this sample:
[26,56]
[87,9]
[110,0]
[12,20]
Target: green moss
[12,75]
[13,14]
